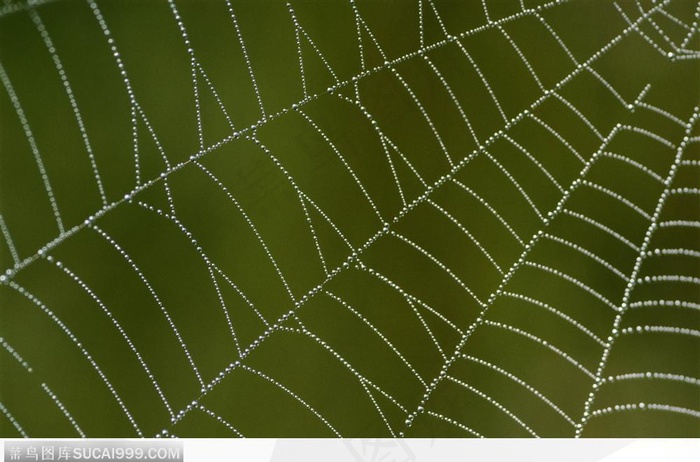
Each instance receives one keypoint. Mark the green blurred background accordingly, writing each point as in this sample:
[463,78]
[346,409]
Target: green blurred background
[238,256]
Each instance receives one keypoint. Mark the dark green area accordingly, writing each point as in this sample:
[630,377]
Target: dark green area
[307,267]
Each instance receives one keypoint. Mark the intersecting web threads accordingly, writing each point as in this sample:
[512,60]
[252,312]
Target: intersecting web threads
[350,218]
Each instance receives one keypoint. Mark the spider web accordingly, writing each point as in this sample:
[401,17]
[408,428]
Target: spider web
[350,219]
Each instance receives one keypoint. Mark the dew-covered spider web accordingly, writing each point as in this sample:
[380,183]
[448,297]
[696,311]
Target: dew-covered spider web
[350,218]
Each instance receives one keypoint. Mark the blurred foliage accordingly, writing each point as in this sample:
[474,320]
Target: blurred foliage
[320,258]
